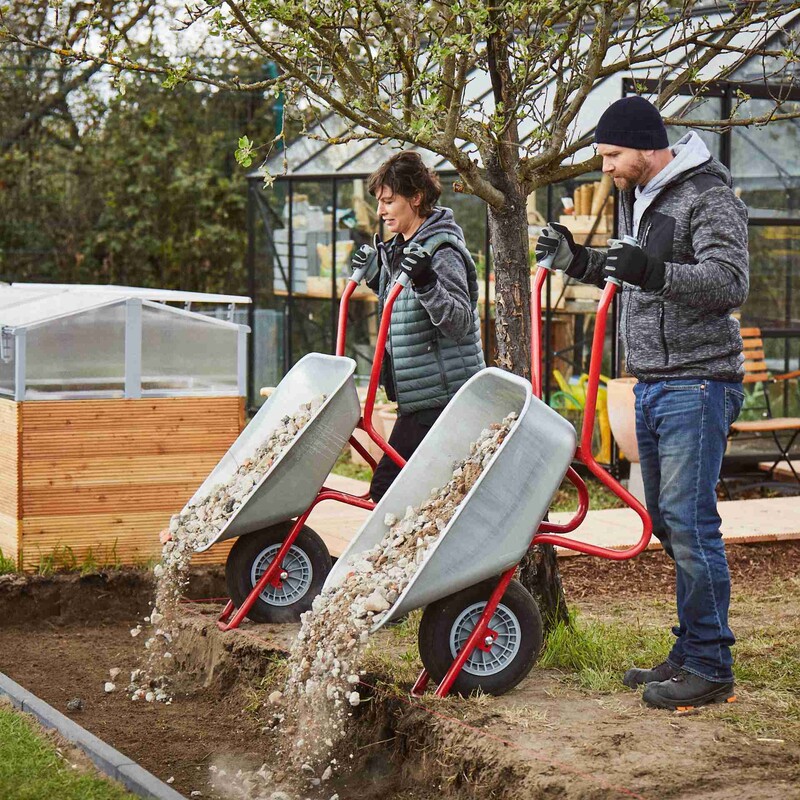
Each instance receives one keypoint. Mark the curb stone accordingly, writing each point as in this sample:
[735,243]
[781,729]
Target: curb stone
[114,764]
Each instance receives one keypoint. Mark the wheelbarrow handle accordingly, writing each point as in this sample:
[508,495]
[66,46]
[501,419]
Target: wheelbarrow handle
[584,454]
[377,364]
[536,329]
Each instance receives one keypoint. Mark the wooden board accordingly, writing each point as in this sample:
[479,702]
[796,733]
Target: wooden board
[101,478]
[124,538]
[9,479]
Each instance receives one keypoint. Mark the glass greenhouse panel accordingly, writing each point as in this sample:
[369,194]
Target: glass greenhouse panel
[76,354]
[765,162]
[7,366]
[183,354]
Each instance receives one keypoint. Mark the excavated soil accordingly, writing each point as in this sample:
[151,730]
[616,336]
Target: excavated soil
[60,636]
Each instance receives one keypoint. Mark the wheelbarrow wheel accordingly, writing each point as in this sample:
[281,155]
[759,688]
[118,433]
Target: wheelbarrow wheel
[447,624]
[307,564]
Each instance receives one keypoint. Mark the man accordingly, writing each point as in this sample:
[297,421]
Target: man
[688,272]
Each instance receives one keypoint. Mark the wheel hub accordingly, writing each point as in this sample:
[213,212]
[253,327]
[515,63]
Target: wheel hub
[499,646]
[290,583]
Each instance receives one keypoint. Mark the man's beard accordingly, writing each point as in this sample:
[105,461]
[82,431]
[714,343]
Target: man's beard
[636,178]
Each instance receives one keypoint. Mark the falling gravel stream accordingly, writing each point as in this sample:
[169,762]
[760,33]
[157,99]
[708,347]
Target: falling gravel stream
[324,662]
[188,532]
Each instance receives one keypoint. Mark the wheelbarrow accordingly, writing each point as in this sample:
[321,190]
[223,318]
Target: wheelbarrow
[480,628]
[278,563]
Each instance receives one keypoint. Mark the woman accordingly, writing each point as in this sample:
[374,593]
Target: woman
[434,343]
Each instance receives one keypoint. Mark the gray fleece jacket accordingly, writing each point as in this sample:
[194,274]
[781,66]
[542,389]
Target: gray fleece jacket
[434,343]
[689,218]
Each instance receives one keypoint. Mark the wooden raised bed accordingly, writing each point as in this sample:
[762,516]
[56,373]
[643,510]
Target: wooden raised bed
[98,479]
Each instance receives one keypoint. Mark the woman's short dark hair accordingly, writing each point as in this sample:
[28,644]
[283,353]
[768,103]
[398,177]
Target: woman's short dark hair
[406,174]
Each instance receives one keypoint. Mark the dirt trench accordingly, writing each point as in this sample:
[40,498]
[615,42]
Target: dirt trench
[60,636]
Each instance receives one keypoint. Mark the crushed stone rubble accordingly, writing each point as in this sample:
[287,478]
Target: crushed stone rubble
[189,531]
[261,784]
[322,688]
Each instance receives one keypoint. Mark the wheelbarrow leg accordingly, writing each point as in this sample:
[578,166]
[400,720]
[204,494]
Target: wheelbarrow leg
[478,635]
[418,689]
[271,575]
[227,611]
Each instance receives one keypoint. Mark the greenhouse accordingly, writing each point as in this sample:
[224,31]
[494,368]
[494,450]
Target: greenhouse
[112,405]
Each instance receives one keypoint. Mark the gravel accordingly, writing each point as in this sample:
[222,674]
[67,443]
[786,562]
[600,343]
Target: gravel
[188,532]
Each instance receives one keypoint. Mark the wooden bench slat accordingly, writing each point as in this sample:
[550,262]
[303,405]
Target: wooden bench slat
[774,424]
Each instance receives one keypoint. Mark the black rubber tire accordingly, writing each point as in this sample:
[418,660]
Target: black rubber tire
[437,625]
[247,551]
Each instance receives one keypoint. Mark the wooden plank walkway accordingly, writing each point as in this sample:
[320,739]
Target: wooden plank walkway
[743,521]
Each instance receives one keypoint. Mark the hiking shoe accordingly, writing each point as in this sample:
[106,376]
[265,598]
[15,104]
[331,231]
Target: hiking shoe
[663,672]
[685,691]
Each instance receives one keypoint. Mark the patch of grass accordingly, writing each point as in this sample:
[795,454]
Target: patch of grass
[31,768]
[345,467]
[62,558]
[7,565]
[594,655]
[604,641]
[394,655]
[566,498]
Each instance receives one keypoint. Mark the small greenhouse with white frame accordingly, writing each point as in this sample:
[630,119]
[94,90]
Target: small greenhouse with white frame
[63,342]
[114,406]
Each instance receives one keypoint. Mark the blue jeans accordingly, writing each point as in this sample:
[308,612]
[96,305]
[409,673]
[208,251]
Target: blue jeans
[681,428]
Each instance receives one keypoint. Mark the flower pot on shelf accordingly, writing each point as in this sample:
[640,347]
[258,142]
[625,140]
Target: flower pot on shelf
[622,418]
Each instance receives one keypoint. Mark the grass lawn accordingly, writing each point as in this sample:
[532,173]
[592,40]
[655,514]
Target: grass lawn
[31,768]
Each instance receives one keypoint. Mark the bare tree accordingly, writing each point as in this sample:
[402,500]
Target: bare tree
[496,88]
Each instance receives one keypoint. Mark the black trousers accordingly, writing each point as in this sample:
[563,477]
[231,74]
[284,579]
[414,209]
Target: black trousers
[408,432]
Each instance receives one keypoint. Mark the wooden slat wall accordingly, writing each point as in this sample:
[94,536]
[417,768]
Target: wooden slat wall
[9,479]
[106,475]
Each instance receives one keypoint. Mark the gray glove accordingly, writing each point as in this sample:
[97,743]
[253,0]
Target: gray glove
[557,240]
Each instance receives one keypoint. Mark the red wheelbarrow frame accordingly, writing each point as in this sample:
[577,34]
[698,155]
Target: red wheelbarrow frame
[231,616]
[482,637]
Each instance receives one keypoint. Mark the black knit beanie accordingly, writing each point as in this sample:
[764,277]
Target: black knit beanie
[632,122]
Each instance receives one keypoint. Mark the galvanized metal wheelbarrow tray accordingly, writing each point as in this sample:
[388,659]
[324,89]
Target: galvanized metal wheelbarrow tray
[492,527]
[295,478]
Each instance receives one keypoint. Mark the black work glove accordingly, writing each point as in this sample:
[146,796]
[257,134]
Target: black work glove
[630,264]
[362,256]
[569,255]
[365,256]
[417,264]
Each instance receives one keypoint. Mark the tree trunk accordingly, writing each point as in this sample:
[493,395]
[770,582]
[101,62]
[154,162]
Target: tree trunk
[508,231]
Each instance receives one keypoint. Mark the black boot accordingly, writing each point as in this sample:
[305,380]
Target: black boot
[663,672]
[687,690]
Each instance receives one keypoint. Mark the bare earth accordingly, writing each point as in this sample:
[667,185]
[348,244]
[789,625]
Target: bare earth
[545,739]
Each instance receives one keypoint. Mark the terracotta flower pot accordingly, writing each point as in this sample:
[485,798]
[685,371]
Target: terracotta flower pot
[622,416]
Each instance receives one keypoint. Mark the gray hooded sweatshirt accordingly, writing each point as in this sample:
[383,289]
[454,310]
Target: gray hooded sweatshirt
[688,217]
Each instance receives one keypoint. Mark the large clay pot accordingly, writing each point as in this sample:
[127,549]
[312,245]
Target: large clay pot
[622,416]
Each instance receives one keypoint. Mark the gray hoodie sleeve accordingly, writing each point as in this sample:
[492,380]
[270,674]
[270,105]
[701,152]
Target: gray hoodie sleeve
[719,281]
[594,269]
[447,301]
